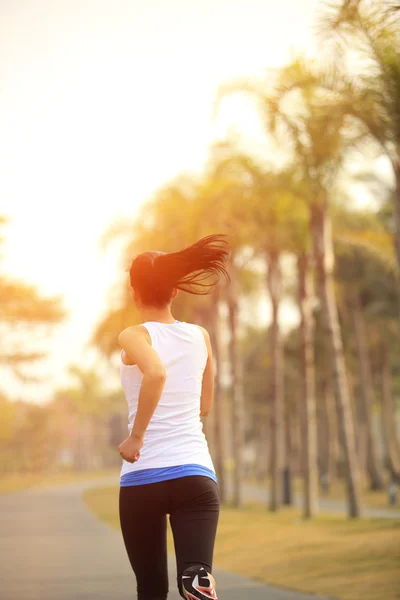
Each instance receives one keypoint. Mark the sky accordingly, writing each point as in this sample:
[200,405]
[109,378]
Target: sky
[101,102]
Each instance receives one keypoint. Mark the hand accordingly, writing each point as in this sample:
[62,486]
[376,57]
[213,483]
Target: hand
[129,449]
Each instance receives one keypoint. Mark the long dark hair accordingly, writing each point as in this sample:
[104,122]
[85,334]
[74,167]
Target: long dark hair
[195,269]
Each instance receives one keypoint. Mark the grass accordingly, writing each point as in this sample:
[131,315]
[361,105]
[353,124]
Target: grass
[16,482]
[332,556]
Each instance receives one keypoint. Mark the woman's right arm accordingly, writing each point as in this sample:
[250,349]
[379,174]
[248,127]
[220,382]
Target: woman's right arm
[207,389]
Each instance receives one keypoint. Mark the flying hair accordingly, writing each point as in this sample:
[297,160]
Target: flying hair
[195,269]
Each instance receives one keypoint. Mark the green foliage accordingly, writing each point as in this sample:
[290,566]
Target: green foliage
[371,30]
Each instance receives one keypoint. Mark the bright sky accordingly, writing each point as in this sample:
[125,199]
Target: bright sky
[100,103]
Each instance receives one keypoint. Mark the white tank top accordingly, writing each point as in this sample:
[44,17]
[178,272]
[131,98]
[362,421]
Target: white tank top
[174,435]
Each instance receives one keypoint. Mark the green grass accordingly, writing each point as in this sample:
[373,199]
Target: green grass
[15,482]
[349,560]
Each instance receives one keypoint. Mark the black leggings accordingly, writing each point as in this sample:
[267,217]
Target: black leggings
[193,505]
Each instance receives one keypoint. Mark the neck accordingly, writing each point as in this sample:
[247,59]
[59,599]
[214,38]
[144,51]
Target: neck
[162,315]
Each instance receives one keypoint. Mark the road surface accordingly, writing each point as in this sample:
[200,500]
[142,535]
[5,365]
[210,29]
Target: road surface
[53,548]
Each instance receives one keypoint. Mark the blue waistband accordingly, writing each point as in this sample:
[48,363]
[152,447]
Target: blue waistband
[164,474]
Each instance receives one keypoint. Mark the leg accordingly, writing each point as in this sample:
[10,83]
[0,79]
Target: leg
[144,529]
[198,584]
[194,513]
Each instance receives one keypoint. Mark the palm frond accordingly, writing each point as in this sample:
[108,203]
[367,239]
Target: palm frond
[361,26]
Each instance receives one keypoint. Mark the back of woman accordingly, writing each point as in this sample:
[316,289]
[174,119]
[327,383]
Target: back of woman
[175,433]
[168,379]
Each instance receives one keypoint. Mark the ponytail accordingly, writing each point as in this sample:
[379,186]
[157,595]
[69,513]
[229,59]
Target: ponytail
[156,274]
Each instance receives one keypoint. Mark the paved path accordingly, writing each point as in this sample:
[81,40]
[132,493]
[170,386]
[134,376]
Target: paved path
[53,548]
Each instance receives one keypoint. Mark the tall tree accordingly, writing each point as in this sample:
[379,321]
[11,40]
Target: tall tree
[362,246]
[370,30]
[256,188]
[296,104]
[389,416]
[225,199]
[278,225]
[309,395]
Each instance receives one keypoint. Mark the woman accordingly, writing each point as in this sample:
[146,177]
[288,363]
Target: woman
[167,377]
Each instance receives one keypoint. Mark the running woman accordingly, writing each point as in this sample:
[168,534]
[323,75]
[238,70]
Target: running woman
[168,380]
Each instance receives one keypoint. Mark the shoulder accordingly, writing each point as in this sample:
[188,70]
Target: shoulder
[206,336]
[132,333]
[203,331]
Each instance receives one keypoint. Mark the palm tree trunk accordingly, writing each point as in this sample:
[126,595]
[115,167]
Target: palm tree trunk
[373,467]
[389,421]
[274,281]
[288,452]
[219,400]
[310,461]
[296,437]
[396,211]
[324,260]
[237,388]
[263,445]
[331,432]
[361,437]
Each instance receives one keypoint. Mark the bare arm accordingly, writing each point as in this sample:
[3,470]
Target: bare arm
[135,343]
[207,390]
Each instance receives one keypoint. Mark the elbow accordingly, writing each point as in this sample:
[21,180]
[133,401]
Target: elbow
[206,406]
[157,374]
[204,412]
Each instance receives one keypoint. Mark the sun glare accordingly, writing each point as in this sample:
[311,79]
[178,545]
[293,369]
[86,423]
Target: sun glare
[101,104]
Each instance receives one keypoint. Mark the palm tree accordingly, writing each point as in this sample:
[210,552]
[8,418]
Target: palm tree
[297,104]
[363,245]
[360,329]
[250,188]
[366,275]
[373,277]
[236,363]
[278,225]
[225,197]
[371,29]
[257,364]
[389,419]
[309,394]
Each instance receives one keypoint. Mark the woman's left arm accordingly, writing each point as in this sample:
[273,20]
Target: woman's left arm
[134,341]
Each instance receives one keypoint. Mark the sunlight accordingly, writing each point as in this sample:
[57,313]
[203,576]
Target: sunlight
[100,107]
